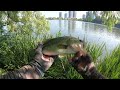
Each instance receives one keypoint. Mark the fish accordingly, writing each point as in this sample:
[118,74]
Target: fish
[62,45]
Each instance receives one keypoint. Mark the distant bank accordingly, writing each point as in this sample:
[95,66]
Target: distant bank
[97,21]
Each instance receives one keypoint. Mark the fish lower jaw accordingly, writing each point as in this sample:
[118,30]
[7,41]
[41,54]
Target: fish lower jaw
[49,53]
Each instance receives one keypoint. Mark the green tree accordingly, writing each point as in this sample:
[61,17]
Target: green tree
[95,13]
[83,17]
[110,18]
[20,32]
[89,16]
[19,21]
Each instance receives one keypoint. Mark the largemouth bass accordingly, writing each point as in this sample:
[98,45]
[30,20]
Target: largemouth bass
[61,45]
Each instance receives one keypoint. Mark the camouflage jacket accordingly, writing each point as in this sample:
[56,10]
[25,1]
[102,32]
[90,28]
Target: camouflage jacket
[30,71]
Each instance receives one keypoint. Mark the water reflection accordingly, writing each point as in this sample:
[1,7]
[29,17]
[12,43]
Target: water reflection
[65,24]
[116,32]
[71,26]
[60,25]
[83,26]
[94,33]
[86,26]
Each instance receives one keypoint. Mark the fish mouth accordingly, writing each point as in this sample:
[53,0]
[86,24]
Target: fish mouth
[49,53]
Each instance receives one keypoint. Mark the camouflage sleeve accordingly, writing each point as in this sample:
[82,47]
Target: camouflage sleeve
[91,74]
[86,68]
[30,71]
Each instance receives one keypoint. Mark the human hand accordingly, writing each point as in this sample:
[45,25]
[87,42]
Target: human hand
[43,60]
[84,65]
[82,61]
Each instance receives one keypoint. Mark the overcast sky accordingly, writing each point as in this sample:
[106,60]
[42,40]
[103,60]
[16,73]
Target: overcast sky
[56,13]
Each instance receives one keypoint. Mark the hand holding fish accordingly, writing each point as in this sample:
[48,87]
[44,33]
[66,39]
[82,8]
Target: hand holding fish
[82,62]
[35,69]
[44,60]
[81,58]
[46,53]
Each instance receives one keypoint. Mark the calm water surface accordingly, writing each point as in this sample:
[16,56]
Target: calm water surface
[94,33]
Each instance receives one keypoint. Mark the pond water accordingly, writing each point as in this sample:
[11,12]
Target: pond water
[94,33]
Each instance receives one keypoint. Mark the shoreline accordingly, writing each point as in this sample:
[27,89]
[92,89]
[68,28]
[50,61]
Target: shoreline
[94,22]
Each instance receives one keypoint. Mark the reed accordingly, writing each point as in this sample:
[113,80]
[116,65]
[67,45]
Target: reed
[17,50]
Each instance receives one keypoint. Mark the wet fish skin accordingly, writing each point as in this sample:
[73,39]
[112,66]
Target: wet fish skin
[61,45]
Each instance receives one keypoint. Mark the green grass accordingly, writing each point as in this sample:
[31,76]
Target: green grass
[61,69]
[17,50]
[95,50]
[109,66]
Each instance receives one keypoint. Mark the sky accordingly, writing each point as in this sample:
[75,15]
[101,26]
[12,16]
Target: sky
[56,13]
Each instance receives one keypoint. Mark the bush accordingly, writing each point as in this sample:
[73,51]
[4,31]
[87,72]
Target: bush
[19,37]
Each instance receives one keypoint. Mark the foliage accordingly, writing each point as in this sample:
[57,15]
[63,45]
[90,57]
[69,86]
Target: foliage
[110,67]
[61,69]
[95,50]
[21,31]
[89,16]
[110,18]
